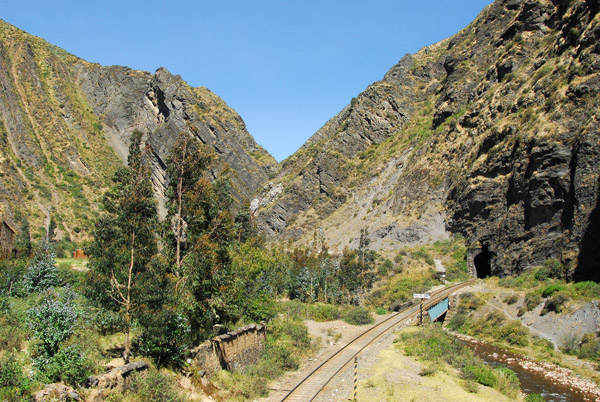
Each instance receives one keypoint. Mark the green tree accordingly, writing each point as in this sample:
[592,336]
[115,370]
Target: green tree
[186,164]
[165,328]
[42,272]
[124,239]
[23,240]
[53,321]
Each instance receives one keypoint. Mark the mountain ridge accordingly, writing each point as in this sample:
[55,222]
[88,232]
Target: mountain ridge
[66,125]
[473,135]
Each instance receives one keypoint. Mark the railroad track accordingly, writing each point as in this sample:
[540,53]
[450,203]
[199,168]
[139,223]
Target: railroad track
[312,385]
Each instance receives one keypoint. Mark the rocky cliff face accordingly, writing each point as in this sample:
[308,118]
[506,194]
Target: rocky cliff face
[65,126]
[493,133]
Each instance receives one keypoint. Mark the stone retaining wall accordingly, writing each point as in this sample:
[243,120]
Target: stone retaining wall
[240,348]
[233,351]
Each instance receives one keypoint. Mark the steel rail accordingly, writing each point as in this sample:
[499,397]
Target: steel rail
[306,391]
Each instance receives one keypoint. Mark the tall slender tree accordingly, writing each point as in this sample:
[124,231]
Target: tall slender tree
[124,239]
[186,164]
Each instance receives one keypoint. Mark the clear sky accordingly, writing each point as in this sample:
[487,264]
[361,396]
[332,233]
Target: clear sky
[285,66]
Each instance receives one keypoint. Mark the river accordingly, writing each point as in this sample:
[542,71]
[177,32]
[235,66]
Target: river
[532,381]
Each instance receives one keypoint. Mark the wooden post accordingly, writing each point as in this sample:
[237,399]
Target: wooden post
[355,399]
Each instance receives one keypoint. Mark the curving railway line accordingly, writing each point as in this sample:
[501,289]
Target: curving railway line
[312,385]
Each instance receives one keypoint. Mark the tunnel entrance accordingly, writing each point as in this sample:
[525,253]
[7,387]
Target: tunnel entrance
[483,269]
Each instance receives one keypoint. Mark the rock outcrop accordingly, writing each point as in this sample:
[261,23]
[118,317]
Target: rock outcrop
[492,133]
[65,126]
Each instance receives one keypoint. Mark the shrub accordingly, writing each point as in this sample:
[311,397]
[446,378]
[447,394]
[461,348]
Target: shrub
[12,333]
[552,269]
[514,333]
[294,310]
[164,336]
[480,374]
[385,267]
[471,386]
[358,316]
[298,333]
[471,301]
[69,365]
[53,321]
[587,289]
[532,300]
[324,312]
[275,359]
[70,277]
[551,289]
[511,299]
[14,386]
[11,277]
[556,303]
[589,347]
[109,322]
[507,382]
[381,311]
[458,322]
[152,387]
[534,398]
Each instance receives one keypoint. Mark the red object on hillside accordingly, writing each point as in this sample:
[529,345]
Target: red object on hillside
[78,254]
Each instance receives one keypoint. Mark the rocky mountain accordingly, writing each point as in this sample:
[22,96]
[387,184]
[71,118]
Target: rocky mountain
[65,126]
[492,133]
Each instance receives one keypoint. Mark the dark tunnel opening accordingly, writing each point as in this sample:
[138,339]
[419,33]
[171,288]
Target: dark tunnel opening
[483,269]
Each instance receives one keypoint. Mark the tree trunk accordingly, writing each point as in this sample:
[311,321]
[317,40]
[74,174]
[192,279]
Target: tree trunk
[127,352]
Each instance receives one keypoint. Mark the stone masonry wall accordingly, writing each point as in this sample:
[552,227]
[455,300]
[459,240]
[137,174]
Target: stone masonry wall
[240,348]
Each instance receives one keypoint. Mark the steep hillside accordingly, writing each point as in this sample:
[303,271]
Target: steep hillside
[492,133]
[65,126]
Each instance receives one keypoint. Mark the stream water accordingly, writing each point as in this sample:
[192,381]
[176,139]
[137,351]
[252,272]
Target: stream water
[531,381]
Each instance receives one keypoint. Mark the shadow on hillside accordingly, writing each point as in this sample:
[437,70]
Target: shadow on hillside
[588,268]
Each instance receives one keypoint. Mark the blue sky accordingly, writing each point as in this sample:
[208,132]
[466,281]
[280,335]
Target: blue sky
[285,66]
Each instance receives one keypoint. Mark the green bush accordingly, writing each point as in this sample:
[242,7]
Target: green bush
[458,322]
[587,289]
[53,321]
[534,398]
[14,386]
[551,289]
[70,277]
[532,300]
[423,254]
[69,365]
[507,382]
[276,358]
[324,312]
[471,301]
[358,316]
[556,303]
[588,347]
[381,311]
[514,333]
[298,334]
[480,374]
[164,336]
[511,299]
[12,331]
[152,387]
[109,322]
[294,310]
[11,276]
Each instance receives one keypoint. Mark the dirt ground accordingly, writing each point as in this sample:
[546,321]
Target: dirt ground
[331,336]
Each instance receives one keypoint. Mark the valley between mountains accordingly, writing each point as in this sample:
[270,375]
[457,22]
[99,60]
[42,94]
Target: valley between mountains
[475,157]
